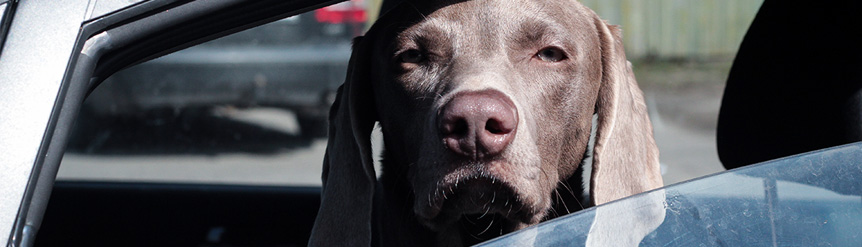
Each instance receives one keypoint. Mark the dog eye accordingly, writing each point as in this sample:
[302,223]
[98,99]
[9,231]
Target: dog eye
[411,56]
[551,54]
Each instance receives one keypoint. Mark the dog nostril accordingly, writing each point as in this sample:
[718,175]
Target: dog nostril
[459,128]
[455,127]
[495,127]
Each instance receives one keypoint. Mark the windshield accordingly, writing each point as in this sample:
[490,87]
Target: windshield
[805,200]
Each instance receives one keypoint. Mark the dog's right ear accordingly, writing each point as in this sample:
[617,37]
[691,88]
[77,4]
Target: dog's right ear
[348,176]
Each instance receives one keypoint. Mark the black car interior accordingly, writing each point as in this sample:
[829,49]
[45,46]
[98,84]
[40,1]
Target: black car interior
[148,214]
[796,83]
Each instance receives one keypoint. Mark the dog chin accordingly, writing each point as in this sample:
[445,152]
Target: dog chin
[472,197]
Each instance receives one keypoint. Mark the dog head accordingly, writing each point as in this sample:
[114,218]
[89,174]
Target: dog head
[486,107]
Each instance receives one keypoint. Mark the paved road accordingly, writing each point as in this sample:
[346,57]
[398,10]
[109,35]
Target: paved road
[684,126]
[685,153]
[261,146]
[258,146]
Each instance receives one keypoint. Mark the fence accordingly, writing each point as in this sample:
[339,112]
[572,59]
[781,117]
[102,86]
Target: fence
[673,29]
[679,28]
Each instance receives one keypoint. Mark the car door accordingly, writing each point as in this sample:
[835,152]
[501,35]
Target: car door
[37,50]
[56,52]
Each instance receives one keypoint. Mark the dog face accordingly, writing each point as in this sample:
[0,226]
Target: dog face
[487,107]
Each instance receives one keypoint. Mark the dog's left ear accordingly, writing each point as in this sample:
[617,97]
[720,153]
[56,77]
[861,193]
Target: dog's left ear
[625,160]
[348,176]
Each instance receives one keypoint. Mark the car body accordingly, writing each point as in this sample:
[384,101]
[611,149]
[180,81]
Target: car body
[56,52]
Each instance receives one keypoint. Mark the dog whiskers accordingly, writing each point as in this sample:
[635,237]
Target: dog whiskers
[468,220]
[471,234]
[489,226]
[569,188]
[485,213]
[553,211]
[562,201]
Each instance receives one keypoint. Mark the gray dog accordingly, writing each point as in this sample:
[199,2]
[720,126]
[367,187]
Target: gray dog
[487,111]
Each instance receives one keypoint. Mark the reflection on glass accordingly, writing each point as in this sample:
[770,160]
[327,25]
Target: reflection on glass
[813,199]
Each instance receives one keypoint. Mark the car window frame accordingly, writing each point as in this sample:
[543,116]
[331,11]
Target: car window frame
[7,7]
[33,77]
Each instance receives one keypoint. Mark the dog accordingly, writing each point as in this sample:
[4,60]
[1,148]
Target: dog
[488,110]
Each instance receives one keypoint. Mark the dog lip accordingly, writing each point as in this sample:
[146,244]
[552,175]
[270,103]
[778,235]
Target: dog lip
[457,197]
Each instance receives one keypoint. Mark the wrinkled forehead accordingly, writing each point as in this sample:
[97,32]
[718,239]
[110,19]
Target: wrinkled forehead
[489,18]
[429,7]
[495,20]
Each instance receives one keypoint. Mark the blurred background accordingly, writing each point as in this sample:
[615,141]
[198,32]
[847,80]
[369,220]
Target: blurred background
[250,108]
[681,52]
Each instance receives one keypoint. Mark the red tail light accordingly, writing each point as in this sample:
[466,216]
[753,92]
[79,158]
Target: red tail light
[346,12]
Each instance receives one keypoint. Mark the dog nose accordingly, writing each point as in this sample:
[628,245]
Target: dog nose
[478,124]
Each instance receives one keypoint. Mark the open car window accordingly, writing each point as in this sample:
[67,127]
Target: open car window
[249,108]
[813,199]
[242,108]
[219,144]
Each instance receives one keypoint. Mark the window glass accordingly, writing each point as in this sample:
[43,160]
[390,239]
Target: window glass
[249,108]
[785,202]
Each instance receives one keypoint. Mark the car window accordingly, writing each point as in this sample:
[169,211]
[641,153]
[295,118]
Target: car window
[812,199]
[248,108]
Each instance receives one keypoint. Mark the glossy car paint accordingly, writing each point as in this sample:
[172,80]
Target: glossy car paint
[33,64]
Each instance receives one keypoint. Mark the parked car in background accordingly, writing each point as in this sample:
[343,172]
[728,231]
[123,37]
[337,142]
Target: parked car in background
[295,63]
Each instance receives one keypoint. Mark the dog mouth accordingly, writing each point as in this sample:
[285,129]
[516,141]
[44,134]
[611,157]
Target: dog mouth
[481,202]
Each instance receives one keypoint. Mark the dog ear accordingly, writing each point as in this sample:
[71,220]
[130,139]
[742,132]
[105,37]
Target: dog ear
[348,176]
[625,156]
